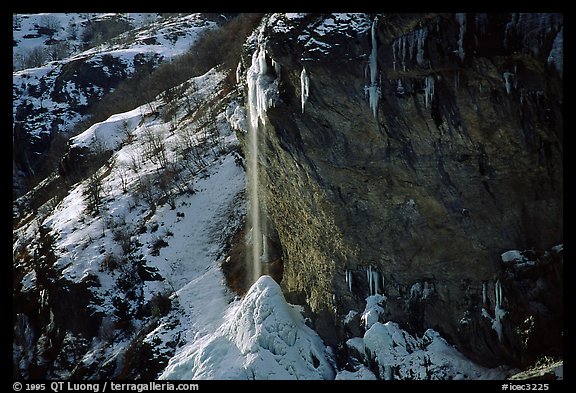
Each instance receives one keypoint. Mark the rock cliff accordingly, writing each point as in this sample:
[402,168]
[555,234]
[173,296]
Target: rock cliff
[402,155]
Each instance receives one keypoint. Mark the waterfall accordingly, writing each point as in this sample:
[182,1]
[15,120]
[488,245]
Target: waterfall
[262,92]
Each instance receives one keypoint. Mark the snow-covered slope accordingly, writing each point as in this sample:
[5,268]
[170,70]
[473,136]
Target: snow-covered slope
[151,225]
[52,97]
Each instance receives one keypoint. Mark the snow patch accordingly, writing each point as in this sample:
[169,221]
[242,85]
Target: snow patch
[399,355]
[374,308]
[363,373]
[512,256]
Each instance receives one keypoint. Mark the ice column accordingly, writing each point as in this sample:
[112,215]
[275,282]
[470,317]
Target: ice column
[499,312]
[507,80]
[429,89]
[374,90]
[349,279]
[304,87]
[461,19]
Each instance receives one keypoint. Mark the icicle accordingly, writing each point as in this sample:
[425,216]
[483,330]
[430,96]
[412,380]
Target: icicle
[304,87]
[394,54]
[399,88]
[277,67]
[411,46]
[238,72]
[370,278]
[415,290]
[429,90]
[376,282]
[262,88]
[507,75]
[499,312]
[373,62]
[509,27]
[349,274]
[257,104]
[484,298]
[457,80]
[422,34]
[264,256]
[461,19]
[428,290]
[481,22]
[403,42]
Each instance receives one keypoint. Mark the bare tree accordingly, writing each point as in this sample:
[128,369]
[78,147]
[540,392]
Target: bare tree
[123,175]
[154,147]
[72,31]
[93,193]
[35,57]
[59,50]
[50,23]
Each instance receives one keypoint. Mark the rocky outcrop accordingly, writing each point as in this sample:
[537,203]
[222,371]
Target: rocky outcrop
[414,151]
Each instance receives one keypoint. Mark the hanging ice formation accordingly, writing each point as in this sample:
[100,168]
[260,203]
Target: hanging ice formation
[508,81]
[238,72]
[349,279]
[484,298]
[556,53]
[531,30]
[374,281]
[277,68]
[262,88]
[461,19]
[421,291]
[499,312]
[429,89]
[304,87]
[399,88]
[374,89]
[411,44]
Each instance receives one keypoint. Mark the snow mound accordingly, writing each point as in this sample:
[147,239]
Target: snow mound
[400,355]
[263,337]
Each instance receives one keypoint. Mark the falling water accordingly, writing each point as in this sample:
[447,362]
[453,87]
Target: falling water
[257,103]
[254,202]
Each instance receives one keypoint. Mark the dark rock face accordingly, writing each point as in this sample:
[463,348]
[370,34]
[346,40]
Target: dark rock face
[460,160]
